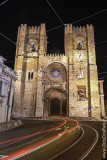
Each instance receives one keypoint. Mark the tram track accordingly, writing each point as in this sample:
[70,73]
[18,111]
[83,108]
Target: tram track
[61,147]
[80,149]
[89,147]
[92,146]
[54,133]
[22,139]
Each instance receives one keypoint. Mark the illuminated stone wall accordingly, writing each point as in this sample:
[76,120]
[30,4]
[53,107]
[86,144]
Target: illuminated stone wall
[80,48]
[42,76]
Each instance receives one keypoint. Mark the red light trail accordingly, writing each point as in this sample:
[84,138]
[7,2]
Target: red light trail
[39,143]
[30,135]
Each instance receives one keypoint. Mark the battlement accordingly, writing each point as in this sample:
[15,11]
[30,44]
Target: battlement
[32,30]
[50,55]
[55,57]
[80,29]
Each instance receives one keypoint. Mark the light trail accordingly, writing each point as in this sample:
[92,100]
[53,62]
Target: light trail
[32,148]
[22,139]
[87,151]
[83,132]
[30,135]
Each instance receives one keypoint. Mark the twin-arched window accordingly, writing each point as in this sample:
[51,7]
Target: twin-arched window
[33,47]
[79,45]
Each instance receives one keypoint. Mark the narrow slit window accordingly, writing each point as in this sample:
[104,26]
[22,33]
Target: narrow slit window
[30,75]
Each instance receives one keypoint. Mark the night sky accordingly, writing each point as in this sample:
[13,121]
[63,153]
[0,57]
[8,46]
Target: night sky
[13,13]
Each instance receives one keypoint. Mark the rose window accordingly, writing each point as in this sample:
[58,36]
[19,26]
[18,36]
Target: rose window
[55,73]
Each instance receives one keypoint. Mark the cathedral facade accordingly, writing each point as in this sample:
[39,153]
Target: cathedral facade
[57,84]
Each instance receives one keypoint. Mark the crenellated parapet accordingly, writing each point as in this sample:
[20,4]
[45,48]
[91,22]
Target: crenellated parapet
[31,30]
[34,30]
[50,58]
[54,55]
[79,30]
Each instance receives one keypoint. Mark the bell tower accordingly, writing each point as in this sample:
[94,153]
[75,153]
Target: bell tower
[31,46]
[82,71]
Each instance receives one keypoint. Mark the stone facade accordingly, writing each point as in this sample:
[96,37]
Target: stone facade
[57,84]
[7,78]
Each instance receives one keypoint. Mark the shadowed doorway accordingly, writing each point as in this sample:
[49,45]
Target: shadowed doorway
[55,107]
[55,102]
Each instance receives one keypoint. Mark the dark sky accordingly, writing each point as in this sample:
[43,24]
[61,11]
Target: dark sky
[33,12]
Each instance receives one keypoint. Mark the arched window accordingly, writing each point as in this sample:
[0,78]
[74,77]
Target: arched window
[33,47]
[79,45]
[80,74]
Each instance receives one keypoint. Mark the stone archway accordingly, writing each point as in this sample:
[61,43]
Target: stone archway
[55,102]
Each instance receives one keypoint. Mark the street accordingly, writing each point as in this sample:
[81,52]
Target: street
[53,139]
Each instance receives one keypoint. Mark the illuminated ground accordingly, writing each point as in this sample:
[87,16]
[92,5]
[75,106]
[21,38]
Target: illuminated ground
[41,131]
[33,132]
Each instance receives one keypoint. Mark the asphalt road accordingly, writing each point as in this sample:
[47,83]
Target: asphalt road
[31,133]
[62,148]
[77,151]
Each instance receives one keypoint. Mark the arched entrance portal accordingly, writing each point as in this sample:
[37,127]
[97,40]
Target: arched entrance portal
[55,102]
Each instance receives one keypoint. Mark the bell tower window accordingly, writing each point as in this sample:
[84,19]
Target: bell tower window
[30,75]
[79,45]
[33,47]
[80,74]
